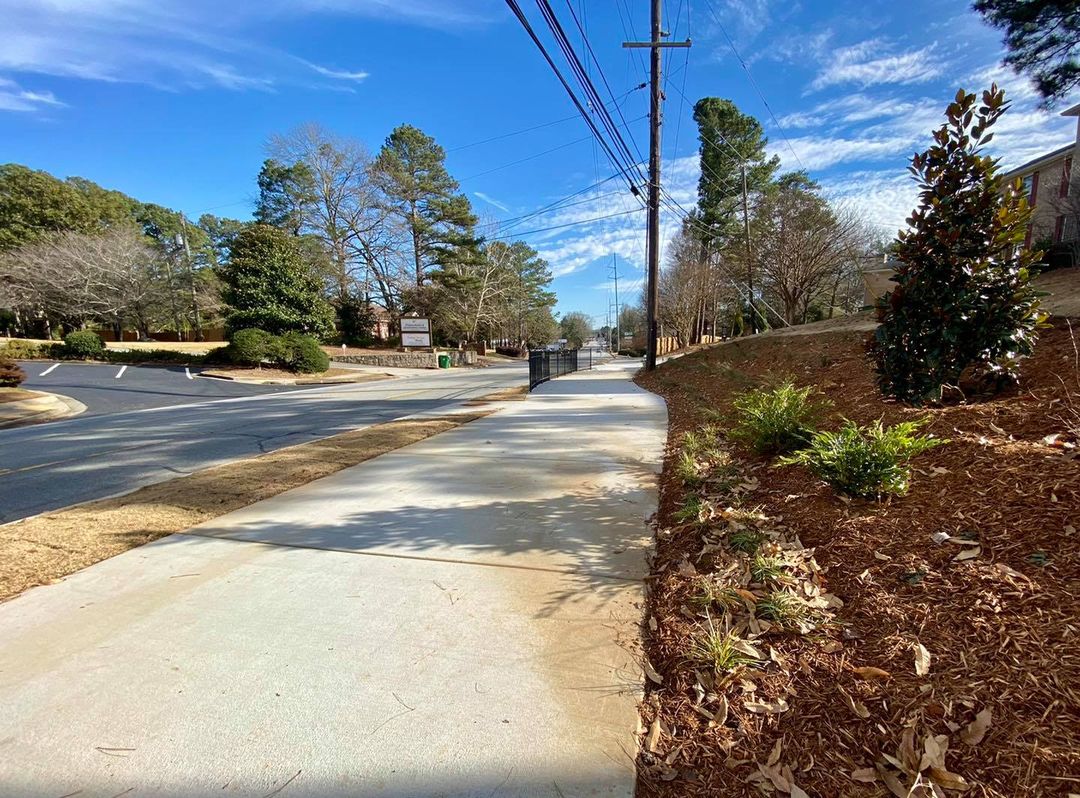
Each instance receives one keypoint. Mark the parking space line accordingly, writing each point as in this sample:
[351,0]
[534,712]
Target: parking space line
[120,373]
[187,371]
[50,368]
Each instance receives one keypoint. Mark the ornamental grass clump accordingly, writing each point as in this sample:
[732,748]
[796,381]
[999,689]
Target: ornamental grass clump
[866,462]
[777,420]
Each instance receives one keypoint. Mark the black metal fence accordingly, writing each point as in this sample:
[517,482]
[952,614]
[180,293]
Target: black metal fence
[545,365]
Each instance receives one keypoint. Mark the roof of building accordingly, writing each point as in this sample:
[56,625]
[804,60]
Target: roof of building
[1074,111]
[1042,158]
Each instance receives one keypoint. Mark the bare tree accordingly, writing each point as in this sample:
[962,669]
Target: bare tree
[113,278]
[341,210]
[805,248]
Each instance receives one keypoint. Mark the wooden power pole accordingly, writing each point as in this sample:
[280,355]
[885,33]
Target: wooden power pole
[655,44]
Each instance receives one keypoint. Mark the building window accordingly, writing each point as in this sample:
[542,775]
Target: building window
[1066,177]
[1034,190]
[1028,181]
[1059,229]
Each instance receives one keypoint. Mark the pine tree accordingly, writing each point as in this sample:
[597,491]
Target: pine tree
[729,138]
[410,170]
[268,286]
[963,305]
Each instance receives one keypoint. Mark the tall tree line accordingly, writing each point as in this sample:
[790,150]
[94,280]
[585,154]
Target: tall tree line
[799,261]
[386,233]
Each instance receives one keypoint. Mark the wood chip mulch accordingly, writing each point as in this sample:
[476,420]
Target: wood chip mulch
[948,668]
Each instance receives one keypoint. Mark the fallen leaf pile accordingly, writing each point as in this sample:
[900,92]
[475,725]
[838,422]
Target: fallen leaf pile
[927,645]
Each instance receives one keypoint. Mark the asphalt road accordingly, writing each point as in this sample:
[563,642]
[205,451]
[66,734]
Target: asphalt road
[94,455]
[115,389]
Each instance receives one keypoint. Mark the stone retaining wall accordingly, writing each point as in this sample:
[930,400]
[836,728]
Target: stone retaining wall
[409,360]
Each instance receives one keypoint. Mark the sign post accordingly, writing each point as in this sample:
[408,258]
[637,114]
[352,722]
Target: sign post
[415,333]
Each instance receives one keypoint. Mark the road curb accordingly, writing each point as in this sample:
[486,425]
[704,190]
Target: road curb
[39,409]
[328,381]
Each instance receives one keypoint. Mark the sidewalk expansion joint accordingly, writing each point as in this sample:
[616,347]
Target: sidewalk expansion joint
[450,560]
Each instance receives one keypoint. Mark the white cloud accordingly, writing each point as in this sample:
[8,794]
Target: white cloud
[339,74]
[491,201]
[15,98]
[870,63]
[174,45]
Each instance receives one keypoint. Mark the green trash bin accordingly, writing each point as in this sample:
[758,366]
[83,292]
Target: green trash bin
[444,361]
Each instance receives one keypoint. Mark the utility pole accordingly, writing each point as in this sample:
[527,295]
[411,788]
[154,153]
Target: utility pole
[615,271]
[191,281]
[749,262]
[652,291]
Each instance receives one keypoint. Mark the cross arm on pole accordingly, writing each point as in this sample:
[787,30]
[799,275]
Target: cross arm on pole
[687,43]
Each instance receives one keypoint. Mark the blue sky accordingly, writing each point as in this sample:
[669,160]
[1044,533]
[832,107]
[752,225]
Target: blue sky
[173,102]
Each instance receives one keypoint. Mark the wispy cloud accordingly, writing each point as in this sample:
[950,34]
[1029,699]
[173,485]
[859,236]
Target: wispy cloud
[871,63]
[15,98]
[339,74]
[191,45]
[491,201]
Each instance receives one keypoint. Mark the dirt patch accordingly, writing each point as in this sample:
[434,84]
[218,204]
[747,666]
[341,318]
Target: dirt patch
[505,395]
[283,377]
[999,623]
[16,395]
[45,548]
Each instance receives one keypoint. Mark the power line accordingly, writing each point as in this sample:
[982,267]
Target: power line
[534,214]
[591,93]
[537,155]
[516,9]
[568,224]
[603,77]
[541,126]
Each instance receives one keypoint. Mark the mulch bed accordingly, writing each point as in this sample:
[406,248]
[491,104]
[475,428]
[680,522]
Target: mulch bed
[996,711]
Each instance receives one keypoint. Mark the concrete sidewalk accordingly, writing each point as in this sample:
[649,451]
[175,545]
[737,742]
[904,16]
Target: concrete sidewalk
[457,618]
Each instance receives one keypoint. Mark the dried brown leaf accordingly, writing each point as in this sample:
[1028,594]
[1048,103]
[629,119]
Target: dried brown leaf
[869,672]
[922,660]
[974,732]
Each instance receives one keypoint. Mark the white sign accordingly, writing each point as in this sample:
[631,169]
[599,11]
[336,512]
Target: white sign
[415,325]
[421,339]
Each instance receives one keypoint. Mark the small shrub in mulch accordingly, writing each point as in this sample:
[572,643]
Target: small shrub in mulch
[865,461]
[777,420]
[924,644]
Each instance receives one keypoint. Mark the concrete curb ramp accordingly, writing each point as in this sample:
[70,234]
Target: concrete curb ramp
[456,618]
[40,408]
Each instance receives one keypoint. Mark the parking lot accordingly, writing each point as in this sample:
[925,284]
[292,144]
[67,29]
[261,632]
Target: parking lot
[106,388]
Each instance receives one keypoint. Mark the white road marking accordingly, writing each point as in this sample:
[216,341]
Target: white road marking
[187,371]
[120,373]
[50,368]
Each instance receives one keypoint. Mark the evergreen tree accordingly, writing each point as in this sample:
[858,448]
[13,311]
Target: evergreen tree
[285,192]
[963,304]
[268,286]
[729,138]
[1042,38]
[34,204]
[410,171]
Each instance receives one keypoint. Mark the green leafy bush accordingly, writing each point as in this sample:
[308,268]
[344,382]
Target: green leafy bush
[11,376]
[866,461]
[21,349]
[299,353]
[963,306]
[250,347]
[776,420]
[84,344]
[153,356]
